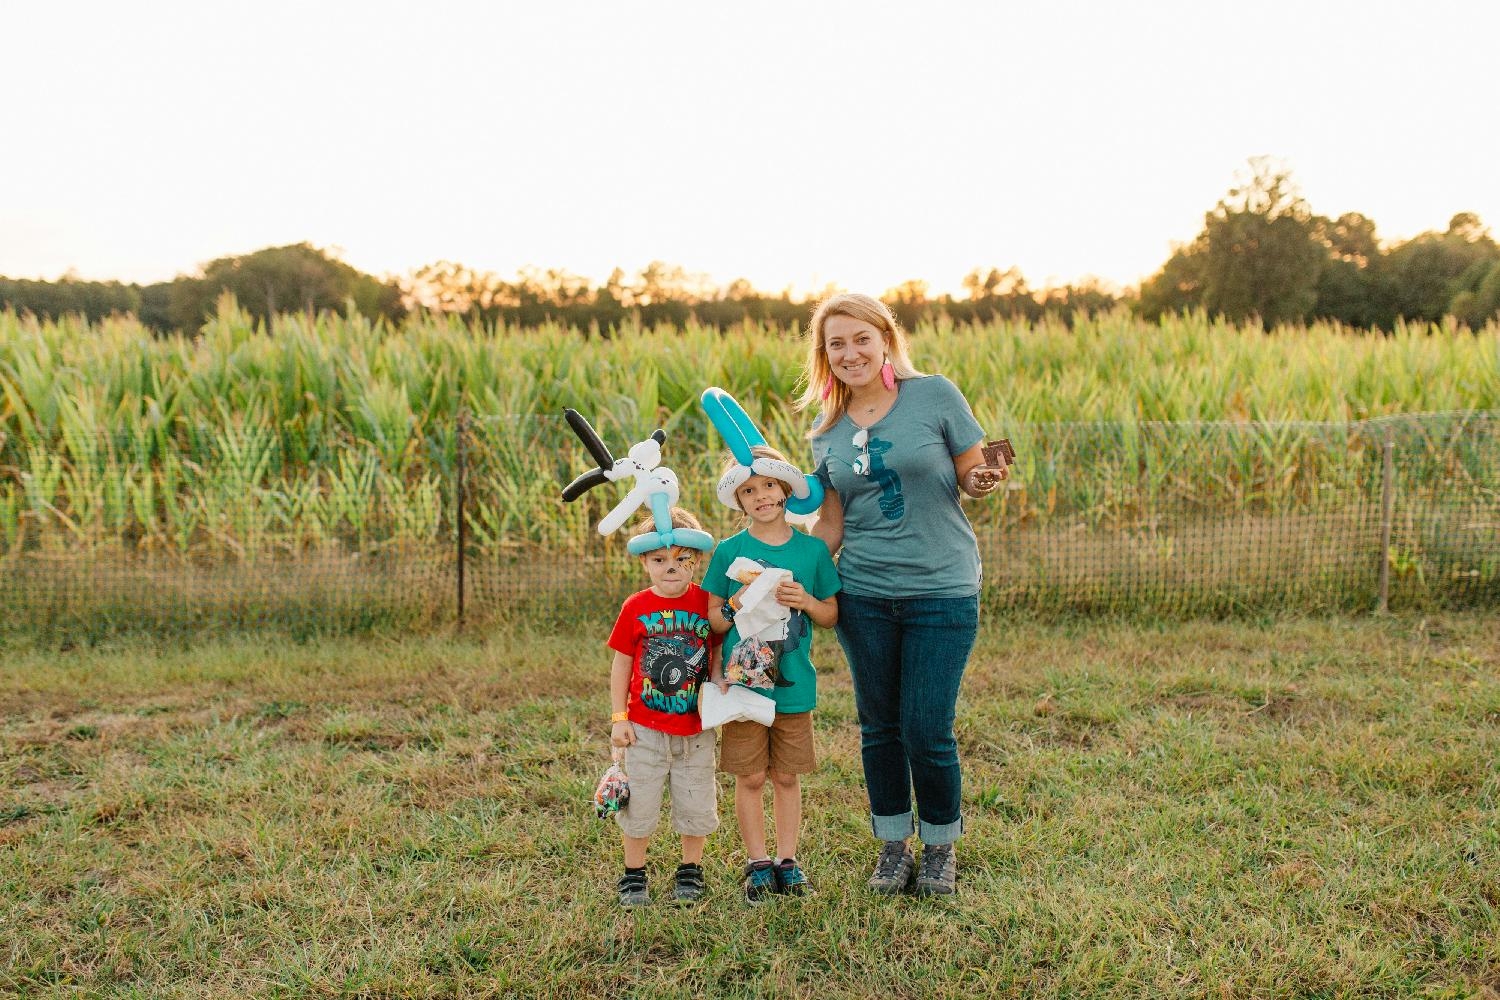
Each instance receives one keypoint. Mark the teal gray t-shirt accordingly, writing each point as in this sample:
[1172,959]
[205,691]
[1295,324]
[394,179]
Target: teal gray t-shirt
[905,533]
[810,564]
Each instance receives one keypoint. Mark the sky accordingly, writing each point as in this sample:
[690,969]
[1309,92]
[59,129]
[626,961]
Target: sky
[794,144]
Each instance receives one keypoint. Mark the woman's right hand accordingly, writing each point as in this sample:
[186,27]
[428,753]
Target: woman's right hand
[621,734]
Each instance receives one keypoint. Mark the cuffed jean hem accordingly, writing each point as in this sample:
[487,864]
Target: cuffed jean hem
[941,833]
[893,827]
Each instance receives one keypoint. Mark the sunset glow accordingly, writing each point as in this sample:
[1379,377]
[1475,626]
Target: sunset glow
[792,145]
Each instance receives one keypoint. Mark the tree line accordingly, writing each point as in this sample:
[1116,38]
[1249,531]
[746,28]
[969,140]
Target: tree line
[1262,254]
[296,278]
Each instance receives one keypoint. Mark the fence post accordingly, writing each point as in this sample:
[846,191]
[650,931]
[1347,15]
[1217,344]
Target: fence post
[1387,509]
[460,491]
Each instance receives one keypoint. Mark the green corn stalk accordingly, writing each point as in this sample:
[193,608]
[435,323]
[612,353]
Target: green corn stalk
[41,480]
[415,510]
[384,418]
[351,495]
[486,525]
[140,497]
[180,512]
[114,499]
[298,506]
[12,502]
[30,385]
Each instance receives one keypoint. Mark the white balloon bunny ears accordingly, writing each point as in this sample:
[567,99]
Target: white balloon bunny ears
[739,432]
[652,485]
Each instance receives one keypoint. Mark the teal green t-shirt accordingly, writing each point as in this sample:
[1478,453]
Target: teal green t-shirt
[905,533]
[810,564]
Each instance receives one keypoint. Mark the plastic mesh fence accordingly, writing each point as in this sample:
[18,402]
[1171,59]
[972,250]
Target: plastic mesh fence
[226,529]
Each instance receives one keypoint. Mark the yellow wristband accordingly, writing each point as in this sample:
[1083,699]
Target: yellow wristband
[620,717]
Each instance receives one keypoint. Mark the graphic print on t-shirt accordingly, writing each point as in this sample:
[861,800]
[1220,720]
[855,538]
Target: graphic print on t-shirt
[892,500]
[672,663]
[674,658]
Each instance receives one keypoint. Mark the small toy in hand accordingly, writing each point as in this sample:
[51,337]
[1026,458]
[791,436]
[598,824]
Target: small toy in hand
[999,454]
[613,792]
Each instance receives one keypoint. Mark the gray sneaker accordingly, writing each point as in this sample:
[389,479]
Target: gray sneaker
[688,885]
[632,889]
[893,869]
[939,874]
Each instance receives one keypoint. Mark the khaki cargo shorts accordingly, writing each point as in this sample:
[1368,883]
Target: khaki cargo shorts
[682,767]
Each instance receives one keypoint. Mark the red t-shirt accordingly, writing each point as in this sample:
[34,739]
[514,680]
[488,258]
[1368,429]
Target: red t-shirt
[669,641]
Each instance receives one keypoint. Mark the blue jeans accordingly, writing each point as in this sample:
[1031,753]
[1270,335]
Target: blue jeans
[907,657]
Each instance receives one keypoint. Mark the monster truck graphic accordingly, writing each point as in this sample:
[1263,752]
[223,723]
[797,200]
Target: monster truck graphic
[673,663]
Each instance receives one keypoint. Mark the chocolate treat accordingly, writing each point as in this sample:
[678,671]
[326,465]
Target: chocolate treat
[998,454]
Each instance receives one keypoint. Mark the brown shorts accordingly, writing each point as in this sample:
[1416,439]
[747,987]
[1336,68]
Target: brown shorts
[750,748]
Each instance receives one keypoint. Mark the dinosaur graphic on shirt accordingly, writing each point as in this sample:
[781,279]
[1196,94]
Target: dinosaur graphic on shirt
[892,499]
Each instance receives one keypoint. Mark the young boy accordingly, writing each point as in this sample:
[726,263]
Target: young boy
[783,751]
[663,649]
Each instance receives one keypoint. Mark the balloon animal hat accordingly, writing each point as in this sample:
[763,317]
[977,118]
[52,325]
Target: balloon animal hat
[652,484]
[739,432]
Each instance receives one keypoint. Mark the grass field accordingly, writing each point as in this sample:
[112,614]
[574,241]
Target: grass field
[1299,807]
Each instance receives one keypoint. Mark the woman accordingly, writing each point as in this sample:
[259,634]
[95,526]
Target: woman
[894,447]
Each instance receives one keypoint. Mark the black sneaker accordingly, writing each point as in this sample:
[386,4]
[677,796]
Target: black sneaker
[632,889]
[760,882]
[790,881]
[893,869]
[688,885]
[939,874]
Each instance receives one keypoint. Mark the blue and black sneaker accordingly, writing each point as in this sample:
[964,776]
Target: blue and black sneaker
[789,879]
[760,882]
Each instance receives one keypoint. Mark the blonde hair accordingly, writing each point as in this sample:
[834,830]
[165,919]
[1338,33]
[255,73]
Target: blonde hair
[681,518]
[757,451]
[816,372]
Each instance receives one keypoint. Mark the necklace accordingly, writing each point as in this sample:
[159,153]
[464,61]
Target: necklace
[869,408]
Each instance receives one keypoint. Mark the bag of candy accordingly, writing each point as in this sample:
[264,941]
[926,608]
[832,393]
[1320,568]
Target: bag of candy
[613,790]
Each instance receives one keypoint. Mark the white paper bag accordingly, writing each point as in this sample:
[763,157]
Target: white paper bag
[741,704]
[760,614]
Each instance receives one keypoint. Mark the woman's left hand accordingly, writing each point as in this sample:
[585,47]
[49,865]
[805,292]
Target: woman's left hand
[982,479]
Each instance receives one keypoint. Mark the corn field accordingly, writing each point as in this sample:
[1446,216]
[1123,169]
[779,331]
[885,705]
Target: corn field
[305,474]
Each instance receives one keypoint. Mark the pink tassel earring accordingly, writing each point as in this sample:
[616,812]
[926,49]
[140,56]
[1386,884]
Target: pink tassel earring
[827,388]
[888,375]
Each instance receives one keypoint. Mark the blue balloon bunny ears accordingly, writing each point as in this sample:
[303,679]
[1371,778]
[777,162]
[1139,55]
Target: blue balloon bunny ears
[739,432]
[666,536]
[653,485]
